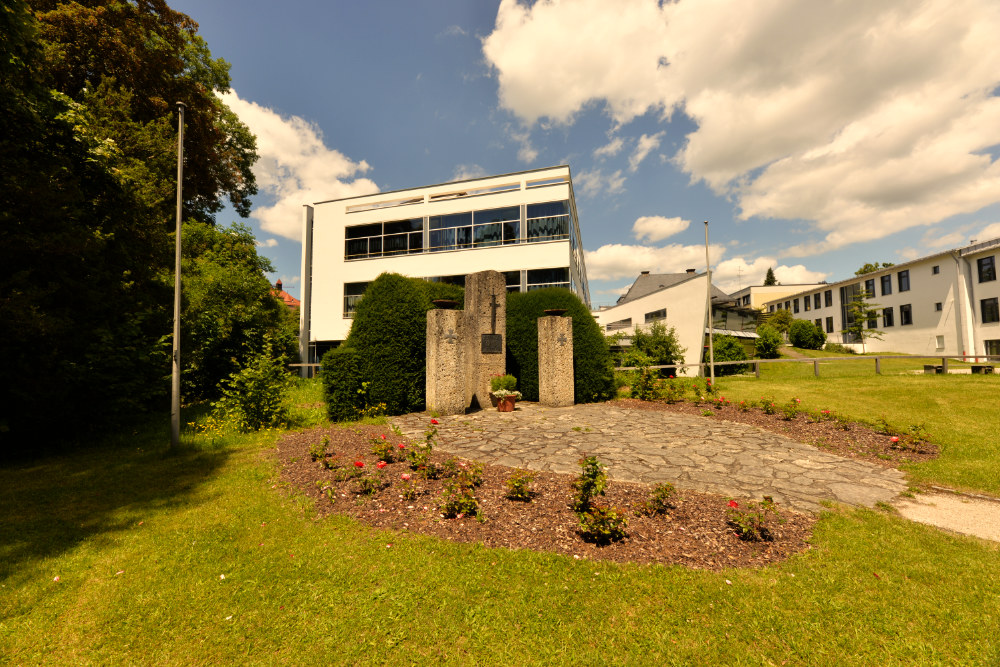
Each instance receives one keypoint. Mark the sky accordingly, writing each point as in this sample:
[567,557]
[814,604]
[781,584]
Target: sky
[812,136]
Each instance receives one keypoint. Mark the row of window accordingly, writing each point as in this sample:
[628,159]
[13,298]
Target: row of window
[534,279]
[548,221]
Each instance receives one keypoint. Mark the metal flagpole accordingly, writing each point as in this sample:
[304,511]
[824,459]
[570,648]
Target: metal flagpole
[175,380]
[708,308]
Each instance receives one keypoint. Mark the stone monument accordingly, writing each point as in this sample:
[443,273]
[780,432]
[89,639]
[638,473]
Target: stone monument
[555,361]
[445,362]
[485,340]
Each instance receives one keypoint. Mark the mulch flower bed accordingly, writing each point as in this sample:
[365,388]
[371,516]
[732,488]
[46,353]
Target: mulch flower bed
[696,532]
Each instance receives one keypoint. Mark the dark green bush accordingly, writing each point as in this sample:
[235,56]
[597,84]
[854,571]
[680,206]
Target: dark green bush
[728,348]
[383,359]
[807,335]
[768,343]
[593,372]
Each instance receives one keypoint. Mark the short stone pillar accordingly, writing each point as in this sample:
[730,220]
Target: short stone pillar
[555,361]
[445,362]
[485,338]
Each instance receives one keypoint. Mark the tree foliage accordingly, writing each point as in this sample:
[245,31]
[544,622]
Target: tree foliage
[807,335]
[769,279]
[871,267]
[728,348]
[768,342]
[659,344]
[779,320]
[593,375]
[860,313]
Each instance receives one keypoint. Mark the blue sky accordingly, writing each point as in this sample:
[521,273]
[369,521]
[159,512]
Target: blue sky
[814,137]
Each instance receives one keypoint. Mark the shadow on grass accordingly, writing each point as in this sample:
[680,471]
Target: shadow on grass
[51,506]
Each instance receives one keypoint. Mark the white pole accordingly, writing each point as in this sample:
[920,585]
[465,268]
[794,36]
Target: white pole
[708,308]
[175,379]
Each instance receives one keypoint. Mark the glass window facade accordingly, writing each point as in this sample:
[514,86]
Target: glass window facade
[987,269]
[540,278]
[656,315]
[383,239]
[352,295]
[990,310]
[548,221]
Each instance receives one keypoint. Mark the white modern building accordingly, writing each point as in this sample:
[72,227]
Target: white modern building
[942,304]
[523,225]
[678,301]
[756,296]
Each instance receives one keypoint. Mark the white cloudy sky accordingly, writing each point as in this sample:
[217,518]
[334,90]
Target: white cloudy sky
[814,136]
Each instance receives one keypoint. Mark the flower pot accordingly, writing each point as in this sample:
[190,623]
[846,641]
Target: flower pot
[506,404]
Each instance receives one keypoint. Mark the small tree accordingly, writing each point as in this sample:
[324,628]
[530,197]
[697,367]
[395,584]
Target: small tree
[780,321]
[728,348]
[768,342]
[659,344]
[871,267]
[860,313]
[769,279]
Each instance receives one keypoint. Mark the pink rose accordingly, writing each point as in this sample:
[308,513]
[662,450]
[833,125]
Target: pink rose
[381,464]
[405,477]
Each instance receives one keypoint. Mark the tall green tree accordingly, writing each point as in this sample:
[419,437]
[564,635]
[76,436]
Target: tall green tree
[769,279]
[871,267]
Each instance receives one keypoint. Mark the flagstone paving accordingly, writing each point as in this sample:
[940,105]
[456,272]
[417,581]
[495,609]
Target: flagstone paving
[649,446]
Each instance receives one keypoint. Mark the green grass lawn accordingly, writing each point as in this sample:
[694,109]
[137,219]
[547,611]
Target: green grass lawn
[203,558]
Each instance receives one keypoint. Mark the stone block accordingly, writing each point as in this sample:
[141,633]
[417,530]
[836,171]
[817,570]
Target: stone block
[555,361]
[445,362]
[485,334]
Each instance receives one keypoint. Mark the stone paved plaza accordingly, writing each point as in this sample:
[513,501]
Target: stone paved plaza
[652,446]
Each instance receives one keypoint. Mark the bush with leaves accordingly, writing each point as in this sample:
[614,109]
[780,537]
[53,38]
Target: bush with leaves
[807,335]
[728,348]
[767,344]
[253,398]
[593,370]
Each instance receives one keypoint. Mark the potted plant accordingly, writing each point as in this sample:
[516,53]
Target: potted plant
[504,392]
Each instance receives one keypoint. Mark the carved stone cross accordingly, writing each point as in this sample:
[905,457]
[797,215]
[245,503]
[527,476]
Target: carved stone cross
[562,339]
[450,336]
[493,306]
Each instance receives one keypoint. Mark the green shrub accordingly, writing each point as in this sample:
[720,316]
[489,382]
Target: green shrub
[505,382]
[602,524]
[342,380]
[589,484]
[728,348]
[766,346]
[838,348]
[807,335]
[593,372]
[252,398]
[519,486]
[660,344]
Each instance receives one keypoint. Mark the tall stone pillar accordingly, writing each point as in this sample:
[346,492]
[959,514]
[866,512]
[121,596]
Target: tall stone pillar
[555,361]
[445,362]
[485,337]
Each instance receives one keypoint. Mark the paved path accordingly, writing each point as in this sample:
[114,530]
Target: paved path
[652,446]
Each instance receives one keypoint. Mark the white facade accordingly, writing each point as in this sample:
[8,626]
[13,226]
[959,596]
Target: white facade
[756,296]
[523,225]
[943,304]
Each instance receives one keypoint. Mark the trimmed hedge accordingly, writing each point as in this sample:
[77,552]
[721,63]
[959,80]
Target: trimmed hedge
[384,357]
[593,372]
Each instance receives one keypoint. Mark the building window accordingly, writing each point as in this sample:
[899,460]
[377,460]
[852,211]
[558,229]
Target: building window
[869,288]
[886,284]
[548,222]
[540,278]
[746,300]
[788,305]
[903,278]
[872,320]
[905,314]
[993,347]
[887,317]
[987,269]
[795,305]
[939,342]
[816,302]
[828,296]
[382,239]
[935,269]
[656,315]
[513,280]
[807,304]
[620,324]
[770,309]
[937,307]
[352,295]
[990,309]
[829,325]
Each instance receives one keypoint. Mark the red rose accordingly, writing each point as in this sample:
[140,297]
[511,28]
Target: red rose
[434,421]
[733,503]
[359,464]
[381,464]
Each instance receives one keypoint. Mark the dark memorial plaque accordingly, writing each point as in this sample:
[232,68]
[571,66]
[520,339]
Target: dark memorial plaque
[492,344]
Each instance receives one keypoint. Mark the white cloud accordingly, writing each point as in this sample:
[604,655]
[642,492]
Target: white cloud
[989,232]
[614,261]
[269,243]
[611,148]
[655,228]
[645,144]
[295,167]
[465,172]
[290,281]
[734,274]
[592,183]
[862,120]
[526,152]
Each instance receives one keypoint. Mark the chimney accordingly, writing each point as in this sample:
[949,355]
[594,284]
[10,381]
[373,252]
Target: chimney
[645,273]
[691,270]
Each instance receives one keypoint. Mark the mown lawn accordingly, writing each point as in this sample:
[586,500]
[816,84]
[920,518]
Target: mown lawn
[203,558]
